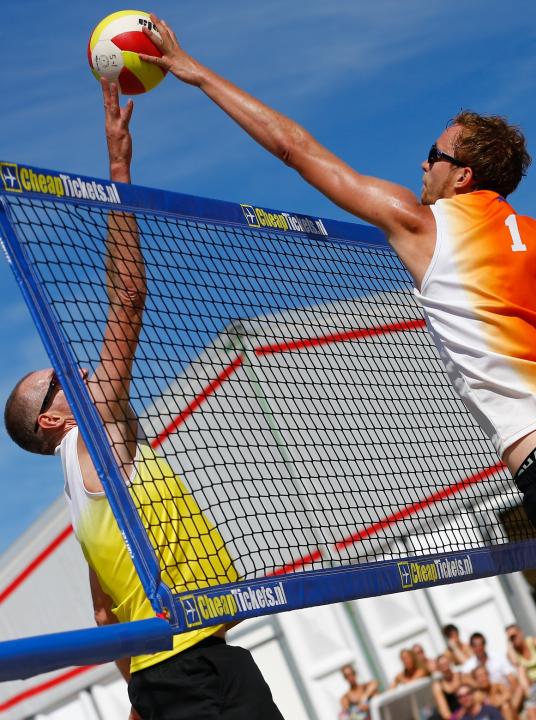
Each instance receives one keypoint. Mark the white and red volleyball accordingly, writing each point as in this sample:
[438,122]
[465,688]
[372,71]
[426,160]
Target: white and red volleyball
[113,52]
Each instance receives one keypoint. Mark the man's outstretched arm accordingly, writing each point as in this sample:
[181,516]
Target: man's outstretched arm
[391,207]
[109,387]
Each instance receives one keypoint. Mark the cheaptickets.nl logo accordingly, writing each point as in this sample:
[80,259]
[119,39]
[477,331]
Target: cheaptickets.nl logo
[225,605]
[18,178]
[259,218]
[413,574]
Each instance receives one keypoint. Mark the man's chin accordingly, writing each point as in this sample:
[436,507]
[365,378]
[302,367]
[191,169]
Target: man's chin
[425,198]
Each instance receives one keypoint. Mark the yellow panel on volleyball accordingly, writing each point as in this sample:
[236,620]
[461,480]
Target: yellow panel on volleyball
[113,51]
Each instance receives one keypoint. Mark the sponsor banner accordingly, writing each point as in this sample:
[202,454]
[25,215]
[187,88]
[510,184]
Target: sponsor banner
[257,217]
[225,605]
[17,178]
[414,574]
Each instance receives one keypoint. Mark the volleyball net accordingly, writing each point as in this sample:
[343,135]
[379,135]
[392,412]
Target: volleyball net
[311,445]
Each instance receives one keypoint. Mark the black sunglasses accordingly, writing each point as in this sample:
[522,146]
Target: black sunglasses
[434,155]
[54,383]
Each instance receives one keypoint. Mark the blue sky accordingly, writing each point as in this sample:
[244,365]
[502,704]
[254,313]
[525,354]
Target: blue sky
[376,81]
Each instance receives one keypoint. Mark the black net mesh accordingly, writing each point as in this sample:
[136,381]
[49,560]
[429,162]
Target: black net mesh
[289,381]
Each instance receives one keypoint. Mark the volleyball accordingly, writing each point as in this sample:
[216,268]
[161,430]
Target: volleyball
[113,52]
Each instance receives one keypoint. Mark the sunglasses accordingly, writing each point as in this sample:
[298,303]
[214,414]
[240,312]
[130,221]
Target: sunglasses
[434,155]
[53,384]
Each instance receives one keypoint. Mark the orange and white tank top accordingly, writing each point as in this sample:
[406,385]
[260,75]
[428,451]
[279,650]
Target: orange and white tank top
[189,546]
[479,299]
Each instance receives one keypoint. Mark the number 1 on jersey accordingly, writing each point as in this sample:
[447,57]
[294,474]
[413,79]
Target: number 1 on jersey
[517,243]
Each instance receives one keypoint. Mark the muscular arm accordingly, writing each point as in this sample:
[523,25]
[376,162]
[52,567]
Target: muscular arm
[126,288]
[102,608]
[391,207]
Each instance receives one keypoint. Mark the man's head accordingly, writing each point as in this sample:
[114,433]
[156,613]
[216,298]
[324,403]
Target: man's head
[515,636]
[451,632]
[478,645]
[350,674]
[465,695]
[476,152]
[37,411]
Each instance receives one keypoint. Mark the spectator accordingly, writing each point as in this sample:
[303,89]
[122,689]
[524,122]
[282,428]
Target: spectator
[499,668]
[458,651]
[472,708]
[422,660]
[355,702]
[495,694]
[522,653]
[411,670]
[445,688]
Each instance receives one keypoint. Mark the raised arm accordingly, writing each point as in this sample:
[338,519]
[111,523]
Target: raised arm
[125,271]
[126,288]
[391,207]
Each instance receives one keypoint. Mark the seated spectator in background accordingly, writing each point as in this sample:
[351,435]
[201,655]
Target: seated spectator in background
[472,708]
[355,702]
[422,660]
[522,654]
[445,688]
[499,668]
[495,694]
[458,652]
[411,670]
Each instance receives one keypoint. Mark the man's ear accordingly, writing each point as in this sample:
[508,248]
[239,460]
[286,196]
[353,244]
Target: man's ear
[50,421]
[464,179]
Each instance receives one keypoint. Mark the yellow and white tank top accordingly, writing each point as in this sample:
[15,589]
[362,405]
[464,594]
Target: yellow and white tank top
[479,298]
[191,551]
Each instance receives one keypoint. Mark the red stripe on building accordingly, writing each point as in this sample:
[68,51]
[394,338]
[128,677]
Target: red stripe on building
[209,390]
[36,562]
[392,519]
[47,685]
[301,344]
[297,564]
[416,507]
[346,336]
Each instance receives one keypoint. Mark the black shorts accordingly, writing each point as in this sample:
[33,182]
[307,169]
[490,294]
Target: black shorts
[525,479]
[209,681]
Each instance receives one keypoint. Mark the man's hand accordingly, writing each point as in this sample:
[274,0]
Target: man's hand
[118,137]
[174,59]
